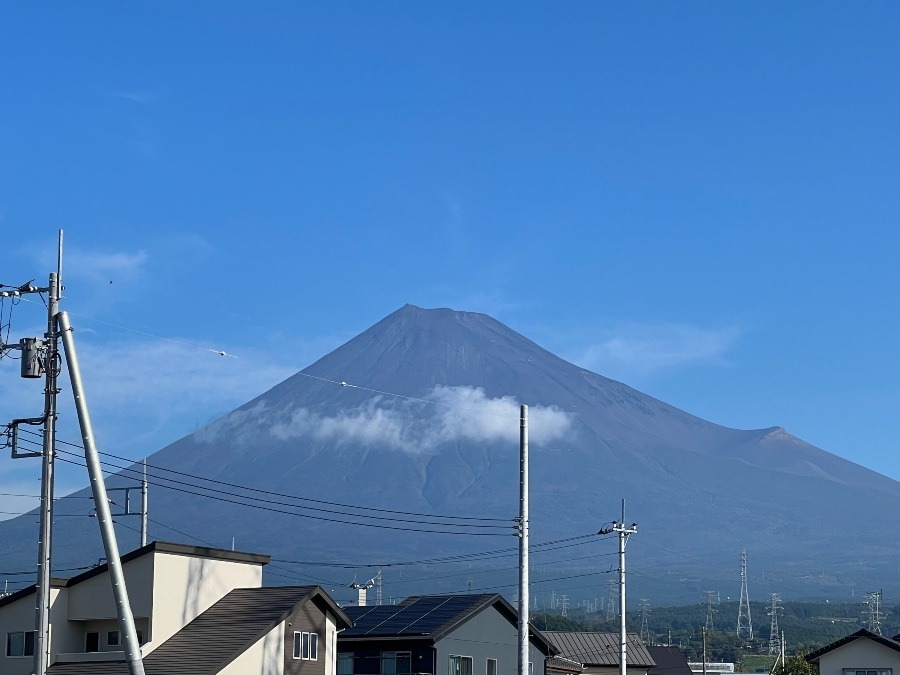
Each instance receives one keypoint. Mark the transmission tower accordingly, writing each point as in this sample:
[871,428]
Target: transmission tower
[744,623]
[565,606]
[613,600]
[645,616]
[774,612]
[712,602]
[873,601]
[378,590]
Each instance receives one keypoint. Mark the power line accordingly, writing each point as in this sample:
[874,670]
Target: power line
[281,494]
[272,509]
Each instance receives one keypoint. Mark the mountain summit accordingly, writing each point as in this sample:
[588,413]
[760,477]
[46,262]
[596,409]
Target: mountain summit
[415,422]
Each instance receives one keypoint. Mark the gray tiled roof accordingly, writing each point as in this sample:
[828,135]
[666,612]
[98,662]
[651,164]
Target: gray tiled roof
[216,637]
[599,649]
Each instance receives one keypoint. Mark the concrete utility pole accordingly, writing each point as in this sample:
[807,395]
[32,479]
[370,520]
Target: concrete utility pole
[41,357]
[51,368]
[524,659]
[624,533]
[101,503]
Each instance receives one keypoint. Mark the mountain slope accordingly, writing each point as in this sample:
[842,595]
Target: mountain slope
[699,491]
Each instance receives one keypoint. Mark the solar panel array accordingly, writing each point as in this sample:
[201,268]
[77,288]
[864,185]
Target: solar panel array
[418,615]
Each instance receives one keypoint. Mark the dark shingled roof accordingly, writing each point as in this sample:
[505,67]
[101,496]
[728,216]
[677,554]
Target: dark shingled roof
[599,649]
[218,636]
[861,633]
[428,617]
[669,661]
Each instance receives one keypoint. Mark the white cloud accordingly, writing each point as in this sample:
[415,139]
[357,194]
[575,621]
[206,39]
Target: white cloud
[637,350]
[95,266]
[456,414]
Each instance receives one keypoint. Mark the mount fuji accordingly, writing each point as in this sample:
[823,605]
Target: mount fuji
[412,426]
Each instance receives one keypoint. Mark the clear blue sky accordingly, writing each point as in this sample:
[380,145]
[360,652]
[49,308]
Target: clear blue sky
[698,199]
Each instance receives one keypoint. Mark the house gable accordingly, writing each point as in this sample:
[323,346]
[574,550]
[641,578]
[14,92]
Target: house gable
[862,650]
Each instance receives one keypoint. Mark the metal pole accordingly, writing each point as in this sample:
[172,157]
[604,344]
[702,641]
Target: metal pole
[523,543]
[704,650]
[624,533]
[42,592]
[623,635]
[144,500]
[101,502]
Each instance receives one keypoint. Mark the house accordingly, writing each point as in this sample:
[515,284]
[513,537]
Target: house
[203,609]
[669,661]
[473,634]
[860,653]
[599,652]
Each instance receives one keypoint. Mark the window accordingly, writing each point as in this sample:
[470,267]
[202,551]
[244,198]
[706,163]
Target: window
[20,643]
[306,646]
[345,663]
[460,665]
[491,667]
[396,663]
[112,638]
[92,642]
[880,671]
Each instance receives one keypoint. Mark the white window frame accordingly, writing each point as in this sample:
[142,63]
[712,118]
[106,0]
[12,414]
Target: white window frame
[868,671]
[24,654]
[308,645]
[461,657]
[487,667]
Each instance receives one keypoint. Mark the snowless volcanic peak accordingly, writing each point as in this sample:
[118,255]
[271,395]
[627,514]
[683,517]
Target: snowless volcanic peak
[427,422]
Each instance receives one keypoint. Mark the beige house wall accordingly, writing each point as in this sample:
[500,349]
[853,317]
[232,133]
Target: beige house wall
[861,654]
[19,616]
[264,657]
[93,598]
[186,586]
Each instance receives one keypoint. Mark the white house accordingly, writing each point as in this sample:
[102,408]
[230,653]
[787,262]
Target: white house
[861,653]
[200,606]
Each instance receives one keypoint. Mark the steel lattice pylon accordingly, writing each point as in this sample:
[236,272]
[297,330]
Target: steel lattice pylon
[744,622]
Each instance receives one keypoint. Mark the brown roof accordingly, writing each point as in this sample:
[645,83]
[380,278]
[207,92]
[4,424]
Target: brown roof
[599,649]
[219,635]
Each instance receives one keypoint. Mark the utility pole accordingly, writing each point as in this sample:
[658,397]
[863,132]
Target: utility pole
[624,533]
[523,543]
[133,658]
[744,623]
[144,505]
[41,357]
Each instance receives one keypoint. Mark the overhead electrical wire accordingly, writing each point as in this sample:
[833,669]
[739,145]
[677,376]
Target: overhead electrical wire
[236,486]
[272,509]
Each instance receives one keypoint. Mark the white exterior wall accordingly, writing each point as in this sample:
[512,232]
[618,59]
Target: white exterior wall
[20,616]
[187,586]
[860,654]
[93,598]
[265,657]
[487,635]
[331,645]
